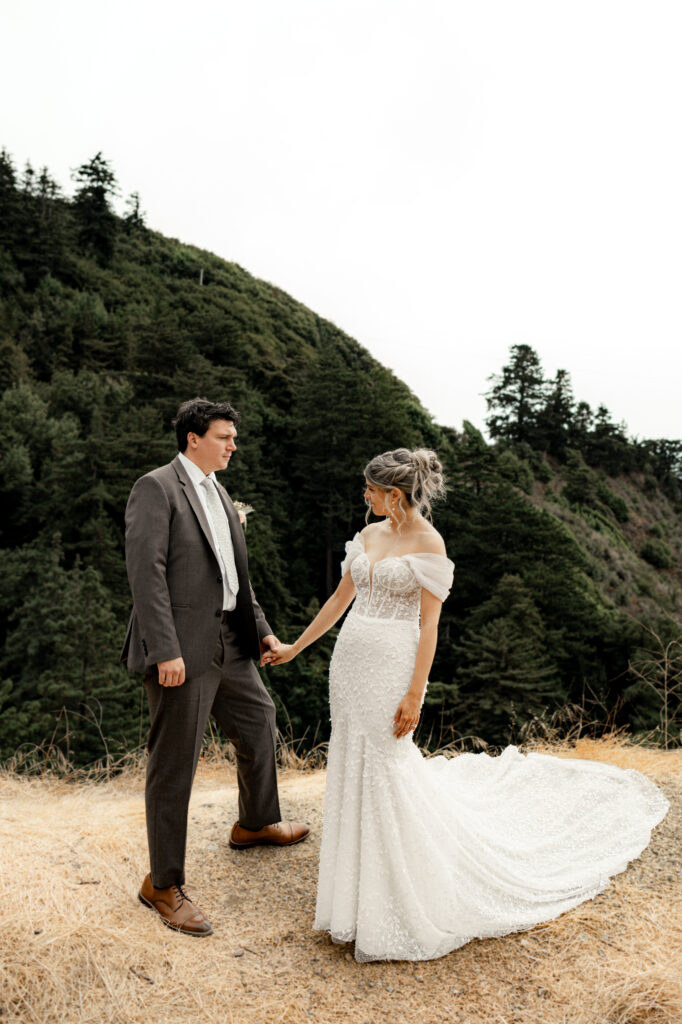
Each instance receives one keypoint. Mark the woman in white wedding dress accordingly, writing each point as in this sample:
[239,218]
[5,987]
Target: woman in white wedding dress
[419,856]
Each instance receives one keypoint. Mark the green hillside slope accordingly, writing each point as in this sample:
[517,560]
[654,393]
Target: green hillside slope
[565,532]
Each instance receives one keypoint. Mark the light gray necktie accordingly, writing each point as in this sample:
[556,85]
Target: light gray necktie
[222,531]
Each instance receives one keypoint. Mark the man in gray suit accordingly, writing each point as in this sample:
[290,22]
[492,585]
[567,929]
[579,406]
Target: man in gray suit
[195,627]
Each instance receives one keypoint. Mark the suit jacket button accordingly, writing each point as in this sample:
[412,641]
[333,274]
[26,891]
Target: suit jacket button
[218,614]
[220,579]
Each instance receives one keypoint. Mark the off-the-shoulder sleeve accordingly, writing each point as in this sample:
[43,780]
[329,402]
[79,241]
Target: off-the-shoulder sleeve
[354,547]
[433,572]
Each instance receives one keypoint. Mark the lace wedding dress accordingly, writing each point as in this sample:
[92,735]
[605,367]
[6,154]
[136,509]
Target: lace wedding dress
[420,856]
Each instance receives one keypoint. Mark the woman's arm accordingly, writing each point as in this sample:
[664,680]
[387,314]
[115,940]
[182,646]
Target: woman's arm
[330,612]
[407,716]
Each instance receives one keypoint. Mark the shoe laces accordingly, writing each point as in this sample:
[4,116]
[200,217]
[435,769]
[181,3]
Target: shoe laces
[181,894]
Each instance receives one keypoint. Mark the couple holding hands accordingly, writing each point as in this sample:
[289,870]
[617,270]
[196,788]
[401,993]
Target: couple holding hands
[418,856]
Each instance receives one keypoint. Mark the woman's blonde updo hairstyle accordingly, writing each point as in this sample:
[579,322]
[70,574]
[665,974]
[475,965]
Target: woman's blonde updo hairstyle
[418,474]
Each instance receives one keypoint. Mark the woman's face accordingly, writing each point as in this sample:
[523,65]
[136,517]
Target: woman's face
[377,499]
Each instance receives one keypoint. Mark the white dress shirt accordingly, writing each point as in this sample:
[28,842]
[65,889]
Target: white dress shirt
[197,475]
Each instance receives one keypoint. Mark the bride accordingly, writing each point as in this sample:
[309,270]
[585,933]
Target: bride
[420,856]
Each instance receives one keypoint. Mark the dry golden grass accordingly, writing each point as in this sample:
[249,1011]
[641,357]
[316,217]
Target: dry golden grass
[77,947]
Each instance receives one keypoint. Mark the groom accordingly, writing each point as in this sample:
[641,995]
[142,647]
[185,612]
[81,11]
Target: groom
[193,632]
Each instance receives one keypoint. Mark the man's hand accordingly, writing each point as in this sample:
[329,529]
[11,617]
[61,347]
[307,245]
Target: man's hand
[171,673]
[268,646]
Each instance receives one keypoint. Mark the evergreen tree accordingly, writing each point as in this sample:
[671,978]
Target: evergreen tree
[15,366]
[9,201]
[607,444]
[348,410]
[51,224]
[60,657]
[505,676]
[581,425]
[517,397]
[8,177]
[28,180]
[92,206]
[134,219]
[301,691]
[516,470]
[39,246]
[580,487]
[500,532]
[476,461]
[664,459]
[555,419]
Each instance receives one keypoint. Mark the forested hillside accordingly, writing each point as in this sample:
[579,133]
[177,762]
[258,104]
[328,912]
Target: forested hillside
[565,531]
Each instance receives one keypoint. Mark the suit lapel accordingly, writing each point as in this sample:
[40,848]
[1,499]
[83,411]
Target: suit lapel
[193,498]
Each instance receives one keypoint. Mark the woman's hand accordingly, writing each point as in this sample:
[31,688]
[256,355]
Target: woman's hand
[406,717]
[285,652]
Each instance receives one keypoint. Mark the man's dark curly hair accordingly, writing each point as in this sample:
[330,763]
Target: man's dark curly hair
[196,416]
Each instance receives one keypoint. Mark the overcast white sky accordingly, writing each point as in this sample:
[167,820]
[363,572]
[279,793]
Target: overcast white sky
[442,179]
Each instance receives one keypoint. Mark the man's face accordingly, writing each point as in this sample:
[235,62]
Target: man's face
[214,450]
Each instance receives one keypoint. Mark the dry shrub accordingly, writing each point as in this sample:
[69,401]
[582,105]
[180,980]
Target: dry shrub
[654,996]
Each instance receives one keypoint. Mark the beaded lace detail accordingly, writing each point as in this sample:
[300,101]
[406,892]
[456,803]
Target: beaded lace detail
[390,588]
[420,856]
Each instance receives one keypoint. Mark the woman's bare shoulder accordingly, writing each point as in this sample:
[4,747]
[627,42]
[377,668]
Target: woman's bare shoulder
[430,541]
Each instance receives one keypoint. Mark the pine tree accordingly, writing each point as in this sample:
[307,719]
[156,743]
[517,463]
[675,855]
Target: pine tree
[9,202]
[580,487]
[8,176]
[61,658]
[39,247]
[505,675]
[96,219]
[581,425]
[134,219]
[555,419]
[28,180]
[518,392]
[51,222]
[607,444]
[348,410]
[663,458]
[476,462]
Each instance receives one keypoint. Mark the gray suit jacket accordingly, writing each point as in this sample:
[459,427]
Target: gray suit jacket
[175,576]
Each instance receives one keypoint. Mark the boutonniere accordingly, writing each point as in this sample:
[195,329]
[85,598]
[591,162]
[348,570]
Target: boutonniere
[242,511]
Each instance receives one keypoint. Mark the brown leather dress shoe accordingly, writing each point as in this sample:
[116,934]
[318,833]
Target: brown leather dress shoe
[283,833]
[175,908]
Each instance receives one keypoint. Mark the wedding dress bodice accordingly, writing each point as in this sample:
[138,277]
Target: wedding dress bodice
[390,588]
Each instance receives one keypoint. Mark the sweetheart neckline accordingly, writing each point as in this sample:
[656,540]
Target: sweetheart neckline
[387,558]
[372,565]
[407,554]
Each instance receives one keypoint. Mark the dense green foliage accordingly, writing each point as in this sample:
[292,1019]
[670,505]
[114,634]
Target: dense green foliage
[105,327]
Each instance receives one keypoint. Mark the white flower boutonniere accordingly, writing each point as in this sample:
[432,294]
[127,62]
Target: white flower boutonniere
[243,510]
